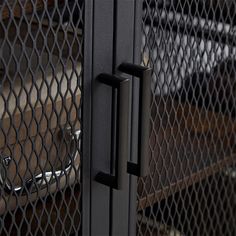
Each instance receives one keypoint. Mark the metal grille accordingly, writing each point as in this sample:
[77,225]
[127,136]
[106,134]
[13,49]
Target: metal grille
[41,61]
[191,188]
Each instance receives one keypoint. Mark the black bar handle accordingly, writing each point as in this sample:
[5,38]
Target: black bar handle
[144,74]
[122,86]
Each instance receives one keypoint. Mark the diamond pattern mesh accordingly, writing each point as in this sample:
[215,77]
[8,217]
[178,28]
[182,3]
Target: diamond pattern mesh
[41,59]
[191,188]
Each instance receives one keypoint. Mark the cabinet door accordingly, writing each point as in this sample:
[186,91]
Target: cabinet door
[45,117]
[111,120]
[101,145]
[124,50]
[190,186]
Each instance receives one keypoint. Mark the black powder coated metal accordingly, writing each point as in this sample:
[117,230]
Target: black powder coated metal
[87,114]
[121,116]
[141,169]
[123,52]
[102,51]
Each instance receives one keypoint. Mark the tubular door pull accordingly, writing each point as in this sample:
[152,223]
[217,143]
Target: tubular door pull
[122,86]
[144,74]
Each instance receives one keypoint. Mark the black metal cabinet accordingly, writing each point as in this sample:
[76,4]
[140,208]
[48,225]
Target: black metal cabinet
[117,117]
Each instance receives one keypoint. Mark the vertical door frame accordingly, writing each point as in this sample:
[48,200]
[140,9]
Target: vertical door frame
[86,116]
[135,111]
[138,24]
[102,62]
[127,48]
[123,52]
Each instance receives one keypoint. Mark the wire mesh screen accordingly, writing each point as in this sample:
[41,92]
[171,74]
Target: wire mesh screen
[41,61]
[191,188]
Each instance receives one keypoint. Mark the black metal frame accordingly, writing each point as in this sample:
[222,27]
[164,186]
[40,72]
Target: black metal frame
[102,53]
[123,52]
[87,113]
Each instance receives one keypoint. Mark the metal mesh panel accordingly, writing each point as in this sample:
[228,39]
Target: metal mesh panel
[41,61]
[191,188]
